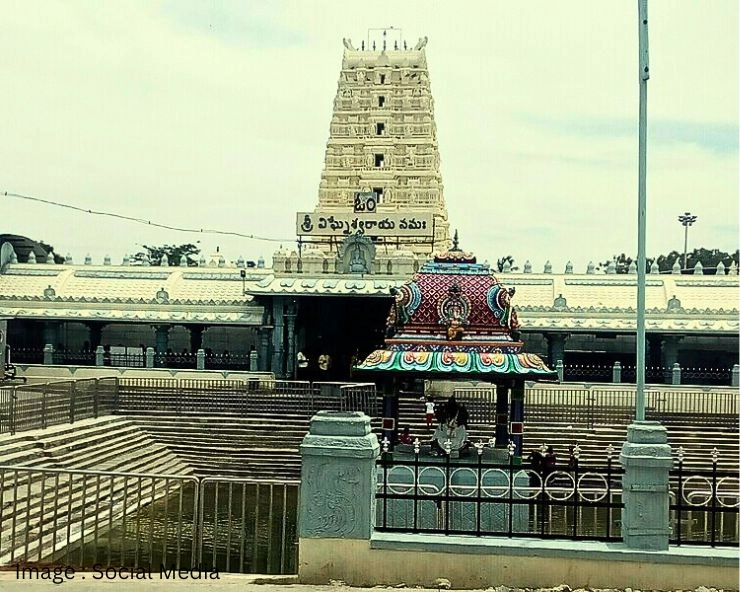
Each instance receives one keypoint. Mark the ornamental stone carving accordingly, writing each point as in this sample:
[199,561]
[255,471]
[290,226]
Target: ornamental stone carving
[357,254]
[338,477]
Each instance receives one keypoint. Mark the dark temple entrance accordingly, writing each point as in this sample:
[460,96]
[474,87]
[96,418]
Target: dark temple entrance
[345,328]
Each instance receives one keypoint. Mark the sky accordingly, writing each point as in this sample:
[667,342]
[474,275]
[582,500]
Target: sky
[214,114]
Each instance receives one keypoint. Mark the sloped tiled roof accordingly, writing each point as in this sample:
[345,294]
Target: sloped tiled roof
[590,302]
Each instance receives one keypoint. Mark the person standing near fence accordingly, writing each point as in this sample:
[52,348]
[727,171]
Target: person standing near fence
[572,458]
[549,463]
[429,412]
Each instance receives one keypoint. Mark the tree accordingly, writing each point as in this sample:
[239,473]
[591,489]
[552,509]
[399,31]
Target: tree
[709,259]
[48,248]
[174,254]
[501,262]
[665,262]
[622,263]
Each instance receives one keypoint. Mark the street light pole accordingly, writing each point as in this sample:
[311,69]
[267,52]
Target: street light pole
[687,220]
[644,75]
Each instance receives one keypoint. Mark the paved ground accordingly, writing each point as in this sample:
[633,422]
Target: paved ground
[9,581]
[228,583]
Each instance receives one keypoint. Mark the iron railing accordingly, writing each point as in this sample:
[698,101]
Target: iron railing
[26,407]
[472,496]
[34,406]
[445,496]
[248,525]
[602,405]
[85,518]
[704,504]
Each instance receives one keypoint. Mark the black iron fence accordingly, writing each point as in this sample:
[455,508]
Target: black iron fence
[481,497]
[704,504]
[423,494]
[586,373]
[242,361]
[135,357]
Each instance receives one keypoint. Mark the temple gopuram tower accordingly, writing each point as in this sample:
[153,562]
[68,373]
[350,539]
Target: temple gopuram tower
[381,179]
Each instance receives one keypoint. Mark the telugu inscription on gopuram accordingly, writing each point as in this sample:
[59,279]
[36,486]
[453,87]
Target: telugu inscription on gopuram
[374,224]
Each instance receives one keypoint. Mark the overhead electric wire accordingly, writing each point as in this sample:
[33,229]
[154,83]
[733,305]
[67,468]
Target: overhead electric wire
[143,221]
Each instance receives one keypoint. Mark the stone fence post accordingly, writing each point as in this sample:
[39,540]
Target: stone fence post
[646,458]
[735,378]
[200,359]
[149,357]
[99,360]
[676,374]
[253,361]
[617,372]
[48,354]
[338,482]
[560,369]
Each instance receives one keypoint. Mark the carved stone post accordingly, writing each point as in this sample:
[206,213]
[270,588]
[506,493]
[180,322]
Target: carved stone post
[676,374]
[99,359]
[200,359]
[560,369]
[48,354]
[338,477]
[735,380]
[617,372]
[149,357]
[646,458]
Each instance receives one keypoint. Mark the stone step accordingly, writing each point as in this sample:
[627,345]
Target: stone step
[73,437]
[122,450]
[91,444]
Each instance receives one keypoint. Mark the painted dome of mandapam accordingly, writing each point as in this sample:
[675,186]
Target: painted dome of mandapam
[454,317]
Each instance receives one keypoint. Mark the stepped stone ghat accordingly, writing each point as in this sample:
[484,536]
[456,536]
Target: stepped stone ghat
[43,488]
[264,443]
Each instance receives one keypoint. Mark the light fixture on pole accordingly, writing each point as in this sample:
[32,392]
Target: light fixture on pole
[686,220]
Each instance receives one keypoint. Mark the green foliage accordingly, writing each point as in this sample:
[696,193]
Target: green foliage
[173,252]
[48,248]
[709,259]
[622,263]
[500,263]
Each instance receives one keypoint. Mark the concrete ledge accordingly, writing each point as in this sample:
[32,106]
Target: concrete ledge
[585,550]
[36,374]
[471,562]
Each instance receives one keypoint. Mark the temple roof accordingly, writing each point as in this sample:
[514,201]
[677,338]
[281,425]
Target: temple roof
[686,304]
[453,317]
